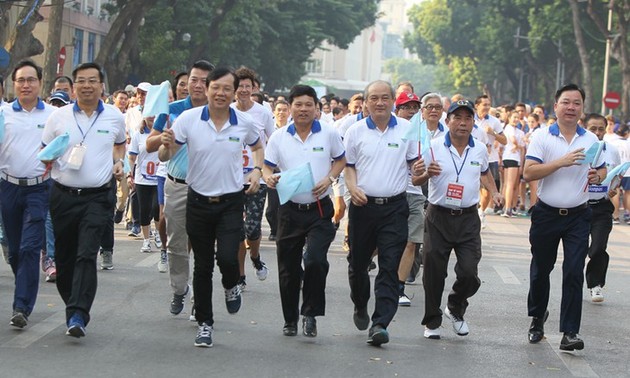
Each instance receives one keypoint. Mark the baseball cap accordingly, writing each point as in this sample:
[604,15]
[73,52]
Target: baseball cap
[461,104]
[406,97]
[130,88]
[60,96]
[144,86]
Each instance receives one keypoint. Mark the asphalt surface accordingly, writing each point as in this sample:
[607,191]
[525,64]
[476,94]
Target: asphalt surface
[132,333]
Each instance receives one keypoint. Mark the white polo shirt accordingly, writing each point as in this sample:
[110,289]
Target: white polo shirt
[623,147]
[147,163]
[380,158]
[286,150]
[263,119]
[566,187]
[133,119]
[512,132]
[104,128]
[496,126]
[215,159]
[611,157]
[471,165]
[348,121]
[22,139]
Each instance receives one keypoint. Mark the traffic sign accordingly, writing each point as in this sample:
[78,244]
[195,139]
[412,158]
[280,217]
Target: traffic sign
[612,100]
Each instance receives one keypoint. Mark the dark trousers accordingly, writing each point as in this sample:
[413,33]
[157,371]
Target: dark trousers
[370,227]
[148,207]
[443,233]
[294,228]
[107,241]
[78,223]
[24,210]
[271,214]
[207,223]
[547,229]
[601,225]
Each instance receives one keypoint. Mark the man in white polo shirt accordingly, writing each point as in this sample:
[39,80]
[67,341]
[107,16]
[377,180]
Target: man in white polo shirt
[377,156]
[305,216]
[84,191]
[457,165]
[215,135]
[555,157]
[24,185]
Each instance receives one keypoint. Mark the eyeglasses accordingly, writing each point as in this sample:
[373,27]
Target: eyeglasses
[409,107]
[29,80]
[434,107]
[92,81]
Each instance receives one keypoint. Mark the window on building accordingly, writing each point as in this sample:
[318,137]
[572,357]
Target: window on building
[313,66]
[91,47]
[77,56]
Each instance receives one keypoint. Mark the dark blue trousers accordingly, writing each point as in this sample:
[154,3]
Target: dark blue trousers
[24,211]
[547,229]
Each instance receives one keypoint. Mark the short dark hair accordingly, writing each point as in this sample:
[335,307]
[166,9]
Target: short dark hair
[336,111]
[177,77]
[479,98]
[598,116]
[259,97]
[88,65]
[218,73]
[623,129]
[280,102]
[407,83]
[535,117]
[27,63]
[570,87]
[521,104]
[116,93]
[203,65]
[345,102]
[63,79]
[302,90]
[244,73]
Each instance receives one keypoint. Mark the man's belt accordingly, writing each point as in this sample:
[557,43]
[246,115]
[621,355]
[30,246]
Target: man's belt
[448,210]
[386,200]
[177,180]
[24,181]
[564,211]
[83,191]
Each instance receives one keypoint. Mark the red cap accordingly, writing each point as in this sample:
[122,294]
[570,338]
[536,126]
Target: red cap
[406,97]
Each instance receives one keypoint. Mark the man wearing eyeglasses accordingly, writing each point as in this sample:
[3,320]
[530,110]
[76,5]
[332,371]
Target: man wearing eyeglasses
[24,185]
[84,191]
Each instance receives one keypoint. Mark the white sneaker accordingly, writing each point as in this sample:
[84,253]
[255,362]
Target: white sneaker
[163,263]
[482,216]
[403,300]
[146,246]
[261,269]
[596,294]
[158,241]
[433,334]
[459,324]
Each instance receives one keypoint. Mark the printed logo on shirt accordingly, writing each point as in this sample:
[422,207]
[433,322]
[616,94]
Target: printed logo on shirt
[102,131]
[40,126]
[392,145]
[598,189]
[318,149]
[234,139]
[475,163]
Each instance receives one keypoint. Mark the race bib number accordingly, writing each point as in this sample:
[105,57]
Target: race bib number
[148,169]
[454,194]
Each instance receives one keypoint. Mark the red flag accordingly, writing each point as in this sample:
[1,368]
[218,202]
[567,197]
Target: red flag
[373,36]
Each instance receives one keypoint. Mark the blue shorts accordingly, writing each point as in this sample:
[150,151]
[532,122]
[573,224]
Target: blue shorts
[625,183]
[160,190]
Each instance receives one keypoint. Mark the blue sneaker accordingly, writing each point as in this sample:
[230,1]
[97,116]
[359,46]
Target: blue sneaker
[135,231]
[76,326]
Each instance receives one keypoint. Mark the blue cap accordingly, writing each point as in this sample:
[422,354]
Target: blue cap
[60,96]
[465,104]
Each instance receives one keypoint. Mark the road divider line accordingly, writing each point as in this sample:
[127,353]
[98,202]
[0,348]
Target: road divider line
[574,361]
[30,334]
[506,275]
[150,260]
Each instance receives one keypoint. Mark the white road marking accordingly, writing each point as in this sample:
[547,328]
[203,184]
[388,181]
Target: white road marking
[574,361]
[31,334]
[150,260]
[506,275]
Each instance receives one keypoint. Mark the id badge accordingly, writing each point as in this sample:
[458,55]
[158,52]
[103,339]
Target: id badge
[454,194]
[75,159]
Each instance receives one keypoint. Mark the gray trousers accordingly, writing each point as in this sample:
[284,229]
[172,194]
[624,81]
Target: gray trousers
[175,195]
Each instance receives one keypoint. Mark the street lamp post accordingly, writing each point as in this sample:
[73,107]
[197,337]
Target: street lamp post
[607,57]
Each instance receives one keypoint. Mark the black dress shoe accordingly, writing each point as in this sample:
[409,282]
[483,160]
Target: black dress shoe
[290,329]
[571,341]
[361,318]
[378,335]
[537,328]
[309,326]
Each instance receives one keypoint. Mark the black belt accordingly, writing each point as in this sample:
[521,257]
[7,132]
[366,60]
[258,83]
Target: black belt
[565,211]
[179,181]
[83,191]
[215,199]
[598,201]
[306,206]
[386,200]
[465,210]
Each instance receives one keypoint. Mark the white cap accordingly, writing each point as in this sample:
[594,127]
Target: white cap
[144,86]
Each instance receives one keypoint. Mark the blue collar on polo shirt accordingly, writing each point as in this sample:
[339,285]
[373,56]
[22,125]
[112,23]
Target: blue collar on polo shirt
[360,116]
[18,107]
[447,140]
[555,130]
[315,128]
[205,115]
[440,126]
[487,116]
[99,108]
[391,123]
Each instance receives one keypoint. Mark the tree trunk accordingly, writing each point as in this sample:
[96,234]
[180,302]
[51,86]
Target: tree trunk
[53,45]
[587,82]
[22,44]
[213,32]
[4,23]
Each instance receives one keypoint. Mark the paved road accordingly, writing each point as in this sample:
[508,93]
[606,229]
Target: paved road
[132,334]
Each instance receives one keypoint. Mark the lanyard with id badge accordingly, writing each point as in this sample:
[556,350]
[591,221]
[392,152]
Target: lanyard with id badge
[455,190]
[77,154]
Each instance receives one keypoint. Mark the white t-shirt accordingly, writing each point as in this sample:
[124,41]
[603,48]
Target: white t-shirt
[98,132]
[515,141]
[623,147]
[263,119]
[495,124]
[611,157]
[147,163]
